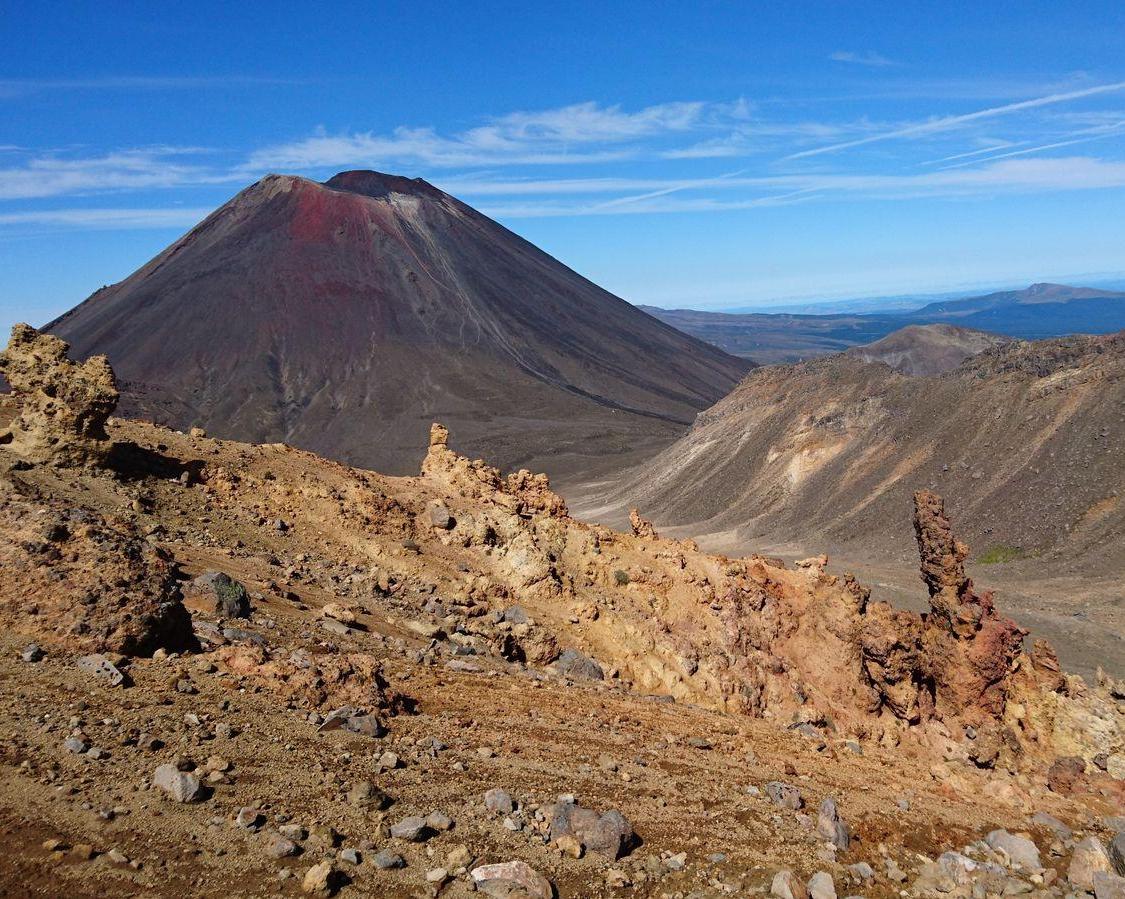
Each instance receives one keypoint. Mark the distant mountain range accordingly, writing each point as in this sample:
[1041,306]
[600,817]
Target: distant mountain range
[1037,312]
[345,317]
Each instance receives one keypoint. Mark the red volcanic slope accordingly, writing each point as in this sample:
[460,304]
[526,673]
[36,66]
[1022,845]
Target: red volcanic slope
[344,317]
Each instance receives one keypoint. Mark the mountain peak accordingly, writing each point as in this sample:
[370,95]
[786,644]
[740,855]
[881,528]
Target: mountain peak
[343,317]
[380,184]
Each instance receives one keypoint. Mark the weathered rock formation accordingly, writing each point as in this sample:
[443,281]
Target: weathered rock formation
[63,406]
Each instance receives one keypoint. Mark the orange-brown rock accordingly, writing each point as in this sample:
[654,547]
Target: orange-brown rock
[642,527]
[62,406]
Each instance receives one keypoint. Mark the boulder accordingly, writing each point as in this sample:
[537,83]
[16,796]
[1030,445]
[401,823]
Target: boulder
[180,786]
[829,827]
[578,666]
[231,598]
[608,834]
[1108,886]
[786,885]
[821,886]
[784,795]
[1117,853]
[1019,849]
[508,878]
[1088,859]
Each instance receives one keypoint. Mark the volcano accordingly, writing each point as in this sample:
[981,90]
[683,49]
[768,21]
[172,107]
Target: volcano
[344,317]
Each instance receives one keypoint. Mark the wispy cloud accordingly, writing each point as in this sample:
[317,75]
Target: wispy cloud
[871,59]
[54,175]
[16,87]
[947,123]
[108,218]
[579,133]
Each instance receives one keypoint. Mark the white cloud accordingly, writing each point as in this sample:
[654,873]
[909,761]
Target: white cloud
[108,218]
[874,60]
[579,133]
[18,87]
[145,168]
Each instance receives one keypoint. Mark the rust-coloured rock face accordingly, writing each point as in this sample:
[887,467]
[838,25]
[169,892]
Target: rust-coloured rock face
[62,408]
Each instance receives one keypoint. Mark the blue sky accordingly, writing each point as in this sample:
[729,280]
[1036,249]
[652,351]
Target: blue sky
[706,155]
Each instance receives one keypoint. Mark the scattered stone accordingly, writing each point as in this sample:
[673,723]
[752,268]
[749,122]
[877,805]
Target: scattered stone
[861,871]
[102,668]
[503,878]
[411,828]
[75,745]
[338,628]
[231,598]
[569,845]
[320,880]
[609,834]
[829,827]
[33,652]
[365,726]
[458,857]
[293,832]
[894,872]
[498,801]
[278,846]
[349,855]
[366,795]
[439,821]
[1089,858]
[786,885]
[676,862]
[1020,850]
[1066,774]
[784,795]
[440,517]
[821,886]
[437,875]
[1053,824]
[385,859]
[248,819]
[578,666]
[388,761]
[515,615]
[178,785]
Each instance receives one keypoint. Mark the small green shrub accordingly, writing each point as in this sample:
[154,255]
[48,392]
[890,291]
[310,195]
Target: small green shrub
[621,578]
[1000,553]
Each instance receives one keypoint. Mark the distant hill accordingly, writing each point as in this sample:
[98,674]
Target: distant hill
[1037,312]
[345,317]
[927,349]
[1026,441]
[772,338]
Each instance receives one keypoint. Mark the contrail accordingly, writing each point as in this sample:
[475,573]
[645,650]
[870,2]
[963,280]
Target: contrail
[952,121]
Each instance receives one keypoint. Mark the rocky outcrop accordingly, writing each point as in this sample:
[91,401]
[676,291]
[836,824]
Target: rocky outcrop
[972,648]
[642,527]
[62,406]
